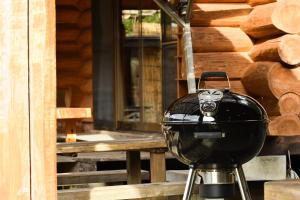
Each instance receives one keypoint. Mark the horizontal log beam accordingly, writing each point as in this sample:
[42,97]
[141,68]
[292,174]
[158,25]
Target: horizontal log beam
[220,39]
[221,14]
[234,63]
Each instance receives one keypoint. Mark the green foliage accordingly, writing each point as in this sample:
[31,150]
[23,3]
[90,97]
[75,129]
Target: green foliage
[155,18]
[129,22]
[128,25]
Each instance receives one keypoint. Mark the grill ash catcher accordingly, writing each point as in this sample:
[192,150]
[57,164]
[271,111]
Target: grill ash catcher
[213,131]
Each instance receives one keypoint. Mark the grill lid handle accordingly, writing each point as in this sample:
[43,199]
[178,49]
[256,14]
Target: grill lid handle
[205,75]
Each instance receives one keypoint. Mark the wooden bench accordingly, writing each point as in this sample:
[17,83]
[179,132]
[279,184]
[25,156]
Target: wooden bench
[133,144]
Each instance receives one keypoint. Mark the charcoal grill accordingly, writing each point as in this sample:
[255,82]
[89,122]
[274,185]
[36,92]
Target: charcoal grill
[215,131]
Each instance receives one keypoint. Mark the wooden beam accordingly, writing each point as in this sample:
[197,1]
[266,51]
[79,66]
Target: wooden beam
[119,145]
[108,176]
[125,191]
[42,68]
[14,101]
[283,190]
[73,113]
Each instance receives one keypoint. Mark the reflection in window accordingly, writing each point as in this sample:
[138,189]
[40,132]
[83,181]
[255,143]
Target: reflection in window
[141,66]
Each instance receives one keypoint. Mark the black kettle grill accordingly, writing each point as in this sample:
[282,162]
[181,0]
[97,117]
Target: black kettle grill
[215,131]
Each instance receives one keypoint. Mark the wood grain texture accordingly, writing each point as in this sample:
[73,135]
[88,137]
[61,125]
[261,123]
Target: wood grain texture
[289,103]
[283,190]
[133,165]
[259,2]
[87,69]
[124,191]
[285,125]
[73,113]
[219,39]
[271,79]
[42,86]
[220,14]
[14,112]
[67,14]
[286,16]
[107,176]
[117,145]
[84,4]
[85,19]
[234,63]
[282,49]
[220,1]
[67,33]
[259,22]
[157,167]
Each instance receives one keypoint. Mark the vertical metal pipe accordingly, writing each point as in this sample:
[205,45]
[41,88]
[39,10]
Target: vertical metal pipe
[189,184]
[187,41]
[244,190]
[189,59]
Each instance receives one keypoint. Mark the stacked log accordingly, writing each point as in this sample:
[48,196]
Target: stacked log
[274,77]
[74,51]
[273,19]
[218,42]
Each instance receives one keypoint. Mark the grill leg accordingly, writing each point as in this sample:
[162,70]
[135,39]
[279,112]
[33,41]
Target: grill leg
[244,190]
[189,184]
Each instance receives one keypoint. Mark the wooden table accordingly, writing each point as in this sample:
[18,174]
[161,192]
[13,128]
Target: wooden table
[132,143]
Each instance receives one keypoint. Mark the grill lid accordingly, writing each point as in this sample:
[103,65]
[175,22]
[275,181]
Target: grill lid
[214,106]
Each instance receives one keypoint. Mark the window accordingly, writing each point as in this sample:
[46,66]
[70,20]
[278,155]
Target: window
[140,71]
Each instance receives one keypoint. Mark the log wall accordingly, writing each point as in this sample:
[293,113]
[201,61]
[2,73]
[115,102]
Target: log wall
[74,52]
[256,42]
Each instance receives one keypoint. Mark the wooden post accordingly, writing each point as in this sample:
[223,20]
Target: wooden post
[42,96]
[133,163]
[14,118]
[157,169]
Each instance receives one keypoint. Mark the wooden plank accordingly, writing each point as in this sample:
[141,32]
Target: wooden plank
[219,14]
[220,39]
[42,67]
[283,190]
[108,176]
[73,113]
[14,118]
[120,145]
[133,164]
[124,191]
